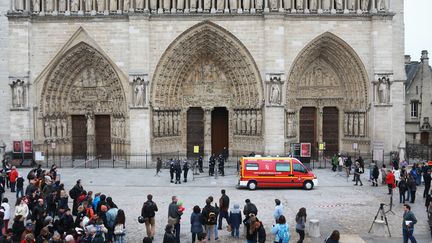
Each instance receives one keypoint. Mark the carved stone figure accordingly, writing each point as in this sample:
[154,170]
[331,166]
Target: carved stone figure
[88,5]
[365,5]
[346,124]
[19,95]
[275,94]
[113,5]
[74,5]
[90,124]
[36,5]
[139,95]
[246,5]
[383,90]
[355,124]
[155,125]
[64,127]
[313,5]
[273,4]
[291,125]
[351,4]
[259,123]
[59,128]
[139,4]
[176,123]
[259,4]
[161,124]
[193,5]
[220,4]
[382,5]
[339,4]
[62,6]
[299,4]
[167,5]
[126,5]
[100,5]
[19,5]
[253,123]
[233,4]
[361,124]
[326,4]
[53,131]
[47,128]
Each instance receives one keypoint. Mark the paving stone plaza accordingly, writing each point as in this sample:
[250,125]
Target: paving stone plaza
[336,203]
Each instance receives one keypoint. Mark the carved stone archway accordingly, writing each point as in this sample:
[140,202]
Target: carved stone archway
[83,82]
[206,66]
[328,73]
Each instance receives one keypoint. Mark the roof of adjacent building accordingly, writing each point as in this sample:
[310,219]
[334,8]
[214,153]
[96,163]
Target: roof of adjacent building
[411,72]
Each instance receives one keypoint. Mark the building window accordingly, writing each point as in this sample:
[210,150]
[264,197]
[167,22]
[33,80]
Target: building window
[414,108]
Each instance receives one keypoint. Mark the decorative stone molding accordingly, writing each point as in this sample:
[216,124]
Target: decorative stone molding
[291,123]
[140,86]
[19,88]
[382,89]
[274,84]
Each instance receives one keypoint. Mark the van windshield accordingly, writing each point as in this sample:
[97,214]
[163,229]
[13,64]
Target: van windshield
[299,168]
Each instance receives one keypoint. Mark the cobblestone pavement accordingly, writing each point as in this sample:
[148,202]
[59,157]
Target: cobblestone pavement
[335,202]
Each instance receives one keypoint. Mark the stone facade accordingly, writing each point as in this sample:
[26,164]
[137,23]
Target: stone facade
[145,68]
[418,99]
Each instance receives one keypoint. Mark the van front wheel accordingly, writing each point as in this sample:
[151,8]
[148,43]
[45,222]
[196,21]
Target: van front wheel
[308,185]
[252,185]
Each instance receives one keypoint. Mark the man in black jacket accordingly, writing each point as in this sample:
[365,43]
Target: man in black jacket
[427,180]
[148,212]
[209,214]
[174,216]
[224,207]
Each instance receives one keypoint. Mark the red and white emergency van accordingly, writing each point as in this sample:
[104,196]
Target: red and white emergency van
[275,172]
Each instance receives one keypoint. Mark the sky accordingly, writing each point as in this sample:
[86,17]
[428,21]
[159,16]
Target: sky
[418,27]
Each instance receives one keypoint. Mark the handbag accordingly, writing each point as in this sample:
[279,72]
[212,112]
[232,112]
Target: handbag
[119,229]
[229,229]
[172,220]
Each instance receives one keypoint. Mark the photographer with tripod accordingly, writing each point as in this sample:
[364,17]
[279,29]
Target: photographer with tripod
[408,222]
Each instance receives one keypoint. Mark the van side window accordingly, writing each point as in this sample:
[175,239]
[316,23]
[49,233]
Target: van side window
[251,166]
[283,167]
[299,168]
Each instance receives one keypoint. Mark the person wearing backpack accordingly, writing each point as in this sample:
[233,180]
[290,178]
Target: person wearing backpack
[300,224]
[209,215]
[255,231]
[281,231]
[148,212]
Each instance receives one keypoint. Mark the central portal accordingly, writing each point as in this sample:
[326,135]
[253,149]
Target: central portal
[219,129]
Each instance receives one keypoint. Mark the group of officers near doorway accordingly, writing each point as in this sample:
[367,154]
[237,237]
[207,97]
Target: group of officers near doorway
[177,166]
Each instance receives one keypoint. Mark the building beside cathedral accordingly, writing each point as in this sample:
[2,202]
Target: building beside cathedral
[418,100]
[98,77]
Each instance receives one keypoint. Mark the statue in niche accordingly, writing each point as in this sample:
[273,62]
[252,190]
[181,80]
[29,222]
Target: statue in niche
[59,128]
[90,124]
[193,5]
[126,5]
[64,127]
[140,4]
[326,4]
[246,5]
[365,5]
[291,125]
[383,90]
[36,5]
[155,125]
[74,5]
[351,4]
[47,128]
[207,72]
[122,128]
[355,124]
[259,4]
[253,123]
[275,94]
[238,122]
[361,124]
[339,4]
[259,122]
[100,5]
[273,4]
[19,5]
[313,5]
[19,94]
[161,124]
[299,4]
[381,5]
[88,5]
[53,131]
[220,4]
[113,5]
[176,123]
[168,123]
[346,124]
[62,6]
[247,118]
[167,5]
[139,94]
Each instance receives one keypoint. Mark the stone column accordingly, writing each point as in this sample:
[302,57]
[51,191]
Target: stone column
[332,7]
[27,5]
[320,10]
[207,131]
[320,124]
[373,8]
[346,10]
[293,6]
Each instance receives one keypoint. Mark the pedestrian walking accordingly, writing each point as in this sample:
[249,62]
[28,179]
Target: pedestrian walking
[158,166]
[172,170]
[408,222]
[412,187]
[148,212]
[300,224]
[196,224]
[383,174]
[340,164]
[390,181]
[185,170]
[178,171]
[212,163]
[174,216]
[278,211]
[281,231]
[357,172]
[403,187]
[375,175]
[221,166]
[348,164]
[200,164]
[427,181]
[334,162]
[224,207]
[13,175]
[397,175]
[235,220]
[7,214]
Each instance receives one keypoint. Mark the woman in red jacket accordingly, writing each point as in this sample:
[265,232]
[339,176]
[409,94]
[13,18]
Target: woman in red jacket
[390,181]
[13,175]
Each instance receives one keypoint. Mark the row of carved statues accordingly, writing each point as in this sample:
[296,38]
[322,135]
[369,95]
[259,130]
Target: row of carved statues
[212,6]
[355,124]
[247,122]
[56,128]
[118,127]
[166,123]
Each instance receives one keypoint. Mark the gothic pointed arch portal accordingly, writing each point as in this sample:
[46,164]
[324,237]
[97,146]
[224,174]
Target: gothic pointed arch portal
[207,67]
[83,106]
[329,77]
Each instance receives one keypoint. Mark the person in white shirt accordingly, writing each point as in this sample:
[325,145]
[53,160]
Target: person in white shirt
[5,205]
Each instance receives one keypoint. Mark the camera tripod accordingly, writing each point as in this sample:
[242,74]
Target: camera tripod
[382,212]
[391,203]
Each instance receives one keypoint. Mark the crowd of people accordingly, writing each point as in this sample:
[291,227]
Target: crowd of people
[42,213]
